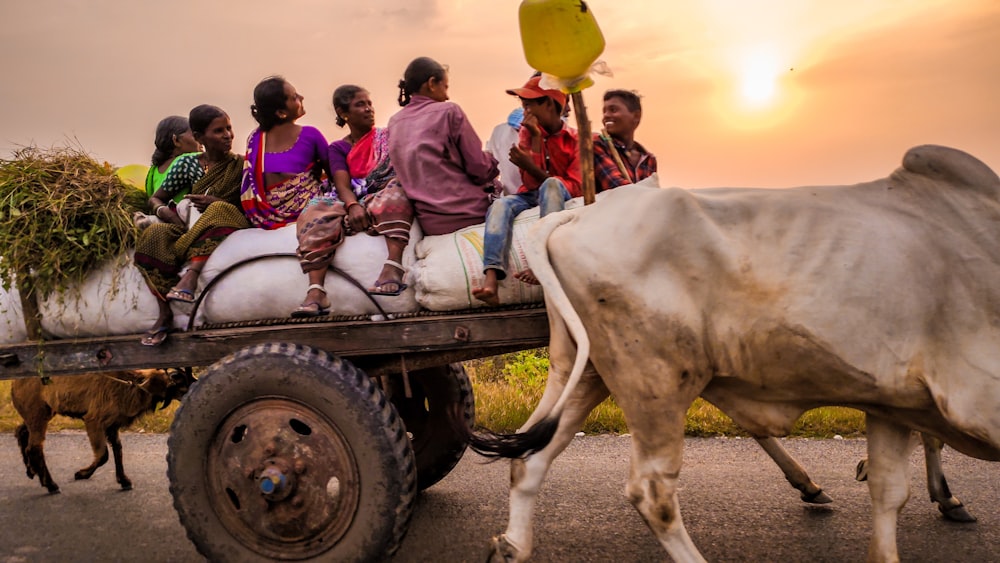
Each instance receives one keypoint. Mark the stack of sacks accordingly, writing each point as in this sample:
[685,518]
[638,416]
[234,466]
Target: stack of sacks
[449,266]
[115,300]
[273,287]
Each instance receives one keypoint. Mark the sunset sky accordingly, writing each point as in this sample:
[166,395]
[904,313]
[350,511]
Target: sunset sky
[771,93]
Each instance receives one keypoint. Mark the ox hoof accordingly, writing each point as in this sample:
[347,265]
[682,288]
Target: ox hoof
[819,497]
[502,551]
[81,475]
[957,514]
[53,489]
[126,485]
[861,473]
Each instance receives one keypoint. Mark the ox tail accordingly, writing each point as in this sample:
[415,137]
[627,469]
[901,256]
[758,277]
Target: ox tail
[536,437]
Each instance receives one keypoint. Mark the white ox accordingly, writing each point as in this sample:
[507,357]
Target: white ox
[883,296]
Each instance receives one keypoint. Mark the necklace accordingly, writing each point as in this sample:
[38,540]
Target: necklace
[205,164]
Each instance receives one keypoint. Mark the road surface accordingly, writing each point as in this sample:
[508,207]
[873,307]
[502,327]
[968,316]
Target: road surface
[735,503]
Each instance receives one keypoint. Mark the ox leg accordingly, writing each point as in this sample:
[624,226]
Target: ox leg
[657,453]
[937,486]
[527,475]
[889,448]
[794,472]
[98,444]
[116,449]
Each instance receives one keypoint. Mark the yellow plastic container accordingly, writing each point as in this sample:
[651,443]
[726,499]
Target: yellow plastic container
[134,175]
[560,37]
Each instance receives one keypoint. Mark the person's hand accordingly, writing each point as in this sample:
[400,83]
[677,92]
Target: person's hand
[531,123]
[520,157]
[168,214]
[357,217]
[201,201]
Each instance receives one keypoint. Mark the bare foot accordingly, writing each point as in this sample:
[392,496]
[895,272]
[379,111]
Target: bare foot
[526,276]
[487,295]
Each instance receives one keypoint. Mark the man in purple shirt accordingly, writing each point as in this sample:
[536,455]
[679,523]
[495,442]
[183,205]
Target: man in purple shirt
[437,155]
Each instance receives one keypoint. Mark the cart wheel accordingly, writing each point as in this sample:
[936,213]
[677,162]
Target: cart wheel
[437,394]
[286,452]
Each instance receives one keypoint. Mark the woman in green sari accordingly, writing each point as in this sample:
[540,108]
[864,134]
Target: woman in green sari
[212,180]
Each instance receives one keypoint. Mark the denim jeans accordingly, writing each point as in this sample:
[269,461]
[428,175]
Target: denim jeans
[551,196]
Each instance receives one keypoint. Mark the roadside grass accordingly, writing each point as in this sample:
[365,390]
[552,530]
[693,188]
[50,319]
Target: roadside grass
[507,389]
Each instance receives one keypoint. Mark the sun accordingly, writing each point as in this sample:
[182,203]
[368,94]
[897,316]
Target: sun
[759,73]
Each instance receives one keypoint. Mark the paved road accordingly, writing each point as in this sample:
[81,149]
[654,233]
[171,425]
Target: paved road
[735,503]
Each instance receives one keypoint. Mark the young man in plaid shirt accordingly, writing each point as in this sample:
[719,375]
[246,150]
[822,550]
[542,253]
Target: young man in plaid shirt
[618,158]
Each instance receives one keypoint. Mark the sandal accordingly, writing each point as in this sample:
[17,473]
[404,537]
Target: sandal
[400,286]
[156,336]
[312,308]
[182,295]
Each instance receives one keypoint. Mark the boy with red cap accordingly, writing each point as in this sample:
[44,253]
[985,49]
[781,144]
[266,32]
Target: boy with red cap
[548,156]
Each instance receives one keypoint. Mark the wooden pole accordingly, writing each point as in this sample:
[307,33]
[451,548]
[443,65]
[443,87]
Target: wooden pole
[29,305]
[586,148]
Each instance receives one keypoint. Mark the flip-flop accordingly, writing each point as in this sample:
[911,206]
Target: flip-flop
[377,289]
[182,295]
[310,309]
[400,286]
[156,336]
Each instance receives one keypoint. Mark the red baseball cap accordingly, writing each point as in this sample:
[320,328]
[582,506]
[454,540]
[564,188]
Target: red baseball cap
[531,90]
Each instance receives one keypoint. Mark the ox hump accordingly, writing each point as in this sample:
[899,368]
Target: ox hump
[953,167]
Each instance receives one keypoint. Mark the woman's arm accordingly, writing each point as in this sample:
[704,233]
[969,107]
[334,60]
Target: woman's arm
[341,179]
[184,173]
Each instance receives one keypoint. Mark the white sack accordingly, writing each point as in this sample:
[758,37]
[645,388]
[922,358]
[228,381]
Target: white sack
[274,287]
[449,266]
[114,299]
[12,328]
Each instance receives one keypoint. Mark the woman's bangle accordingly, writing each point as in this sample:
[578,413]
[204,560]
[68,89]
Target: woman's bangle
[156,212]
[348,206]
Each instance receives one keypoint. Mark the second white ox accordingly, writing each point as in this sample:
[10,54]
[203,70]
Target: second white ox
[882,296]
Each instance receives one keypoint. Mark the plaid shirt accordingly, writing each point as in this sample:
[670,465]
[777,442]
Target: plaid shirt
[607,175]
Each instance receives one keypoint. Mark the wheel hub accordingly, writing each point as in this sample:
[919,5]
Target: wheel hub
[283,479]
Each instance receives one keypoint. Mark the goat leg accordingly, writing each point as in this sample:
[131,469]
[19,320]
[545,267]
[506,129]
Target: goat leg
[22,442]
[98,444]
[116,448]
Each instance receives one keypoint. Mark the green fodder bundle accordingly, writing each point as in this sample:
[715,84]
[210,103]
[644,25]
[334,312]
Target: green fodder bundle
[61,214]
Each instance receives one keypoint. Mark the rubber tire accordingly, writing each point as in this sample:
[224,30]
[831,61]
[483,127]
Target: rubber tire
[334,389]
[436,392]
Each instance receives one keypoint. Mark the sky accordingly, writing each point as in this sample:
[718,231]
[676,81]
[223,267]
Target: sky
[737,93]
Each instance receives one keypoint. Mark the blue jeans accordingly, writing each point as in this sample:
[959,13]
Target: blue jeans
[551,196]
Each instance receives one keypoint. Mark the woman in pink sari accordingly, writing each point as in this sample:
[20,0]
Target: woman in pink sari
[368,199]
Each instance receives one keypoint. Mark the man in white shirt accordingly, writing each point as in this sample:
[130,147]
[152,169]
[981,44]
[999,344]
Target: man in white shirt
[499,143]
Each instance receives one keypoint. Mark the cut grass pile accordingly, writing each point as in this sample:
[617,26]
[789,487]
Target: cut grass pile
[61,214]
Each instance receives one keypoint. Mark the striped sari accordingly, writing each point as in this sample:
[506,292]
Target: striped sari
[163,249]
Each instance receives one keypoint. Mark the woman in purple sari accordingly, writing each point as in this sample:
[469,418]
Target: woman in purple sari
[368,199]
[288,161]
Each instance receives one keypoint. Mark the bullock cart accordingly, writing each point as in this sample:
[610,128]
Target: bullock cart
[306,438]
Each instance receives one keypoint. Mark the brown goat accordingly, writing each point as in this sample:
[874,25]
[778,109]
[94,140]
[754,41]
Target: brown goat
[105,402]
